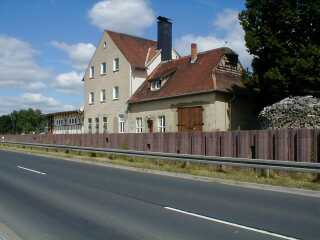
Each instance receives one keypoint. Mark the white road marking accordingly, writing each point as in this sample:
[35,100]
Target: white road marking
[231,224]
[31,170]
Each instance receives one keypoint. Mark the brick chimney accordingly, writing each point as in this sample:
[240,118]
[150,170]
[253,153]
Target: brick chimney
[165,38]
[194,52]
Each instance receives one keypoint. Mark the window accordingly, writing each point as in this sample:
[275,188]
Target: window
[91,98]
[121,124]
[115,93]
[91,74]
[105,124]
[97,125]
[90,125]
[116,64]
[105,45]
[139,125]
[156,85]
[103,68]
[103,95]
[162,124]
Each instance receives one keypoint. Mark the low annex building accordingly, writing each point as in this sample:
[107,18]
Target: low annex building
[68,122]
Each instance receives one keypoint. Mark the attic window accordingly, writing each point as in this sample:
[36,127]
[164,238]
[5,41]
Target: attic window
[156,85]
[232,60]
[230,63]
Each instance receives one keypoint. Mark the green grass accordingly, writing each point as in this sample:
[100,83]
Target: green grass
[276,178]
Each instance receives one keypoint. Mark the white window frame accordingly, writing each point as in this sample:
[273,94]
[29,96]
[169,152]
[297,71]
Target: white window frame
[97,123]
[116,64]
[156,85]
[121,125]
[105,44]
[103,68]
[103,96]
[162,123]
[91,98]
[105,124]
[115,93]
[91,72]
[90,125]
[139,125]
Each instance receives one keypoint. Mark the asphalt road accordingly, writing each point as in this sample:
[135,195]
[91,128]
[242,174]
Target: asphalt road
[42,198]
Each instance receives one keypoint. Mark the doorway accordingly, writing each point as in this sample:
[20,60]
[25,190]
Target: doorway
[190,119]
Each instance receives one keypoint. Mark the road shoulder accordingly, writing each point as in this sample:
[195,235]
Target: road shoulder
[258,186]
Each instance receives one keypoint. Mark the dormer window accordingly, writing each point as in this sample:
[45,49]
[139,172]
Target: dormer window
[230,63]
[156,85]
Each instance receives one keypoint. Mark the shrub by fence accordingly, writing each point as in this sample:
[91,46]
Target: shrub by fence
[283,144]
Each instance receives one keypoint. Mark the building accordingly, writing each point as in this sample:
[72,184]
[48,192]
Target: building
[69,122]
[191,93]
[139,85]
[120,65]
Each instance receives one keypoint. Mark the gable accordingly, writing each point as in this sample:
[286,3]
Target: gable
[105,54]
[135,49]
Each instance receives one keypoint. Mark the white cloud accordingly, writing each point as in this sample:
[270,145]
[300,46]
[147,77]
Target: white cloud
[18,67]
[233,36]
[79,53]
[227,19]
[70,82]
[36,86]
[38,98]
[129,16]
[32,100]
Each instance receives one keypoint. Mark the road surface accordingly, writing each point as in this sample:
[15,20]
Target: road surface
[46,199]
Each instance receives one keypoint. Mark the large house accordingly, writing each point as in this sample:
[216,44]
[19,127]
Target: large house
[118,68]
[138,85]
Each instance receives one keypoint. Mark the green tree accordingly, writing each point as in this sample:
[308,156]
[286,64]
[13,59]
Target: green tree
[284,38]
[5,124]
[23,121]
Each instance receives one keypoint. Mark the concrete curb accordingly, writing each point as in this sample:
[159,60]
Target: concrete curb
[258,186]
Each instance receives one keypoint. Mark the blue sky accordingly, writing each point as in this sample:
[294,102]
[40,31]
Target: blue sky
[45,45]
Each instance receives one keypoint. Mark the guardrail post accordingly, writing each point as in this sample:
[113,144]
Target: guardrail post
[317,179]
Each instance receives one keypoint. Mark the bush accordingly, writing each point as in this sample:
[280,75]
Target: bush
[93,154]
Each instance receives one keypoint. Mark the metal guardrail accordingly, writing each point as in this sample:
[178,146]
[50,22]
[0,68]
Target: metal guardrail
[215,160]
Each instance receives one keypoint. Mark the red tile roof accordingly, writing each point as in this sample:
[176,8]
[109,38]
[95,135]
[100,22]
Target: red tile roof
[65,112]
[188,78]
[152,52]
[135,49]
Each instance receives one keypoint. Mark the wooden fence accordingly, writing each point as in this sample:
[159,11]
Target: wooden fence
[285,144]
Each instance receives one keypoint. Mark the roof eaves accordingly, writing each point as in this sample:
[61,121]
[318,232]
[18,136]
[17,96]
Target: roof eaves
[172,96]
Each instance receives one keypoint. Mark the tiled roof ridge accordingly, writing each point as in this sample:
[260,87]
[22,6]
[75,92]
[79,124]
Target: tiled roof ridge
[129,35]
[199,53]
[185,57]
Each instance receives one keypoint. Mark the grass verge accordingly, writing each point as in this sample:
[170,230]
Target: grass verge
[275,178]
